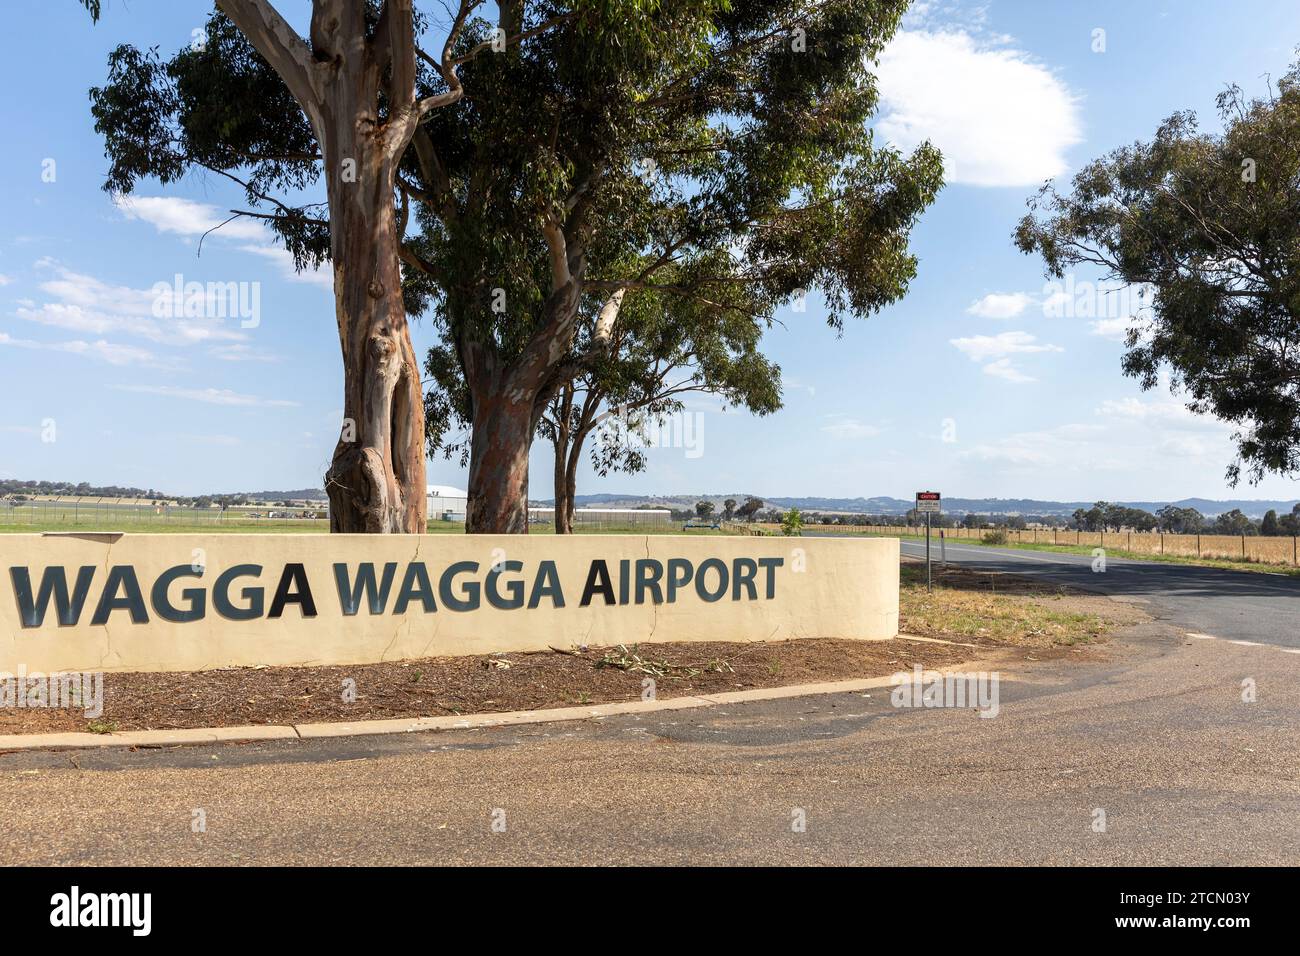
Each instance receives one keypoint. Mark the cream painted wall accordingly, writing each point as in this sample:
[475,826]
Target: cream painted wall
[825,587]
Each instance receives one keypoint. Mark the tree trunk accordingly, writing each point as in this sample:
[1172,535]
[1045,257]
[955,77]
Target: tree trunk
[376,480]
[563,501]
[498,468]
[570,490]
[508,402]
[563,481]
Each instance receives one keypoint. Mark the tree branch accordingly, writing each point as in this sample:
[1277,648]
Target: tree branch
[281,47]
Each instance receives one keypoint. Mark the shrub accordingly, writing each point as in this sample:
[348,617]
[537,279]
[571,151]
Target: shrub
[996,536]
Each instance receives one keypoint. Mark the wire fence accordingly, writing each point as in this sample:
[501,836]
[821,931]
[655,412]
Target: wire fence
[608,519]
[108,514]
[1233,547]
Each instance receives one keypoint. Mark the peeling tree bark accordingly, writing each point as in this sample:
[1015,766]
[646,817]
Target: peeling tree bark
[508,401]
[376,480]
[498,472]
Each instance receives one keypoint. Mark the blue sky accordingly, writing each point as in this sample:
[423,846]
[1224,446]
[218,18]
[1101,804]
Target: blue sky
[974,384]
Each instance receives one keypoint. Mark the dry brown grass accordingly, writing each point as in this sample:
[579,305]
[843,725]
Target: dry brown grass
[1006,609]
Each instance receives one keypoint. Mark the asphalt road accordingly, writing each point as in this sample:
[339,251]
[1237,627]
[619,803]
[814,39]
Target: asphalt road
[1233,605]
[1155,741]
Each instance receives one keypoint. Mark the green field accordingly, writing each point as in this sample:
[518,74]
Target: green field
[54,517]
[291,527]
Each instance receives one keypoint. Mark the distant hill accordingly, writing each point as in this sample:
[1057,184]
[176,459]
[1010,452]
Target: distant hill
[882,505]
[299,494]
[12,486]
[18,486]
[899,506]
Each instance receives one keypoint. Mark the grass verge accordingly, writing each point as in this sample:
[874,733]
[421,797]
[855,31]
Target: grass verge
[1004,609]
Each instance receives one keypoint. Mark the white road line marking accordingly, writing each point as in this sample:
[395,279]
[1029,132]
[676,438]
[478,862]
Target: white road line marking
[1289,650]
[1203,637]
[1247,643]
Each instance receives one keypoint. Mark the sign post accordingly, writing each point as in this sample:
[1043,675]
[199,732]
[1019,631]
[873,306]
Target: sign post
[928,503]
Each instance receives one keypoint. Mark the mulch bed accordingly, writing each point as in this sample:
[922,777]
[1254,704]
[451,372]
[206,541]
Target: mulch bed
[468,685]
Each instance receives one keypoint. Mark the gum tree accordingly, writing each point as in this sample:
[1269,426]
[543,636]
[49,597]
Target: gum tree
[663,348]
[1211,223]
[277,112]
[713,150]
[717,152]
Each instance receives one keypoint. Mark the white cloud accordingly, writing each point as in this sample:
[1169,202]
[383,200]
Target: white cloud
[1000,305]
[4,279]
[171,332]
[978,348]
[996,349]
[1184,446]
[223,440]
[1113,329]
[1003,368]
[1069,447]
[87,292]
[1130,436]
[109,352]
[240,352]
[187,218]
[999,117]
[209,396]
[323,277]
[87,305]
[1160,412]
[846,428]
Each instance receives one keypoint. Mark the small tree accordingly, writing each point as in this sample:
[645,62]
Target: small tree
[703,508]
[750,508]
[1290,523]
[1177,520]
[1269,526]
[1233,522]
[662,348]
[792,523]
[729,508]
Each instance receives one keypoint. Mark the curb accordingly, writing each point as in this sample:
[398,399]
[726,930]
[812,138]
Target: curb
[406,725]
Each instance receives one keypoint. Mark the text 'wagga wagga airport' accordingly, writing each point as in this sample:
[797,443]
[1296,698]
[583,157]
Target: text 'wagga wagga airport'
[185,602]
[461,586]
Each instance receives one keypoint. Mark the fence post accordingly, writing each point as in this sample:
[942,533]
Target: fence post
[1198,544]
[1243,547]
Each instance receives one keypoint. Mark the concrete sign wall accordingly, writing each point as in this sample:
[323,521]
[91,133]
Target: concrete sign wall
[189,602]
